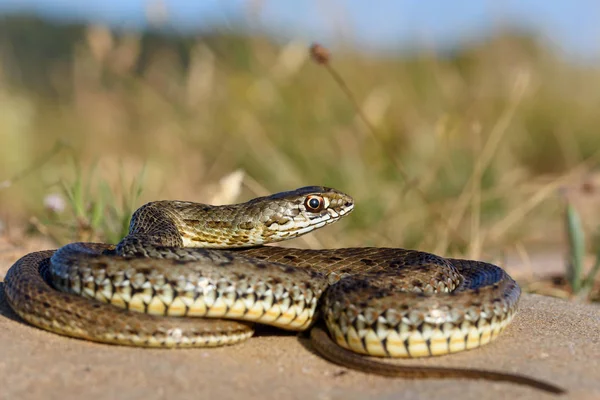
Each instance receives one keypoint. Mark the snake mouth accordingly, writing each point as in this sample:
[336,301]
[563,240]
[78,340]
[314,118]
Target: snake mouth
[305,222]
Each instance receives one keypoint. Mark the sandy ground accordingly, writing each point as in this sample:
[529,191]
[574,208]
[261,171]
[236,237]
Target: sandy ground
[549,339]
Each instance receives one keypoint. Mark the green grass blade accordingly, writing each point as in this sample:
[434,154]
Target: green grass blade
[576,238]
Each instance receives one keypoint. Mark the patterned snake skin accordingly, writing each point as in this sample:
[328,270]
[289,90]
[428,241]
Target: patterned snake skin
[384,302]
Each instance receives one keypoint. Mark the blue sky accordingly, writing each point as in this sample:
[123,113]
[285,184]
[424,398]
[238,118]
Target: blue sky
[573,26]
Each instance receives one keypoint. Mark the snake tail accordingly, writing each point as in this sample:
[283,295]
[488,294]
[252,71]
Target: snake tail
[340,356]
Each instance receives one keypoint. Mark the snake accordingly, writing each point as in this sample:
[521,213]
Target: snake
[197,275]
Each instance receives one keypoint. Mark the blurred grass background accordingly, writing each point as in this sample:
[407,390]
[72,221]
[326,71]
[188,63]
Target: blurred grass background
[471,152]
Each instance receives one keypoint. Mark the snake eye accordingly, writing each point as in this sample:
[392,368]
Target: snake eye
[314,203]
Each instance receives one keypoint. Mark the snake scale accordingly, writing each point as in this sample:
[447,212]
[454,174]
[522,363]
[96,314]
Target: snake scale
[183,259]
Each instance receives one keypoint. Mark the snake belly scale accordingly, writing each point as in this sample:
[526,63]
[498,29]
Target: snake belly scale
[183,260]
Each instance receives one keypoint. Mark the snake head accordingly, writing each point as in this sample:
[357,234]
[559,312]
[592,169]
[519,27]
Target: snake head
[290,214]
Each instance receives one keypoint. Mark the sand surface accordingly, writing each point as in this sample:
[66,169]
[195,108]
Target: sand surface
[550,339]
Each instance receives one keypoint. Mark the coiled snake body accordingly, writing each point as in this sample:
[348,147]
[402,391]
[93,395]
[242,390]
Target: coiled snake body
[383,302]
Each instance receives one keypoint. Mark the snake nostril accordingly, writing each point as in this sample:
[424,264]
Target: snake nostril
[347,204]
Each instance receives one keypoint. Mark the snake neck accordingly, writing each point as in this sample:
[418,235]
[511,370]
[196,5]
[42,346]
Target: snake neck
[185,224]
